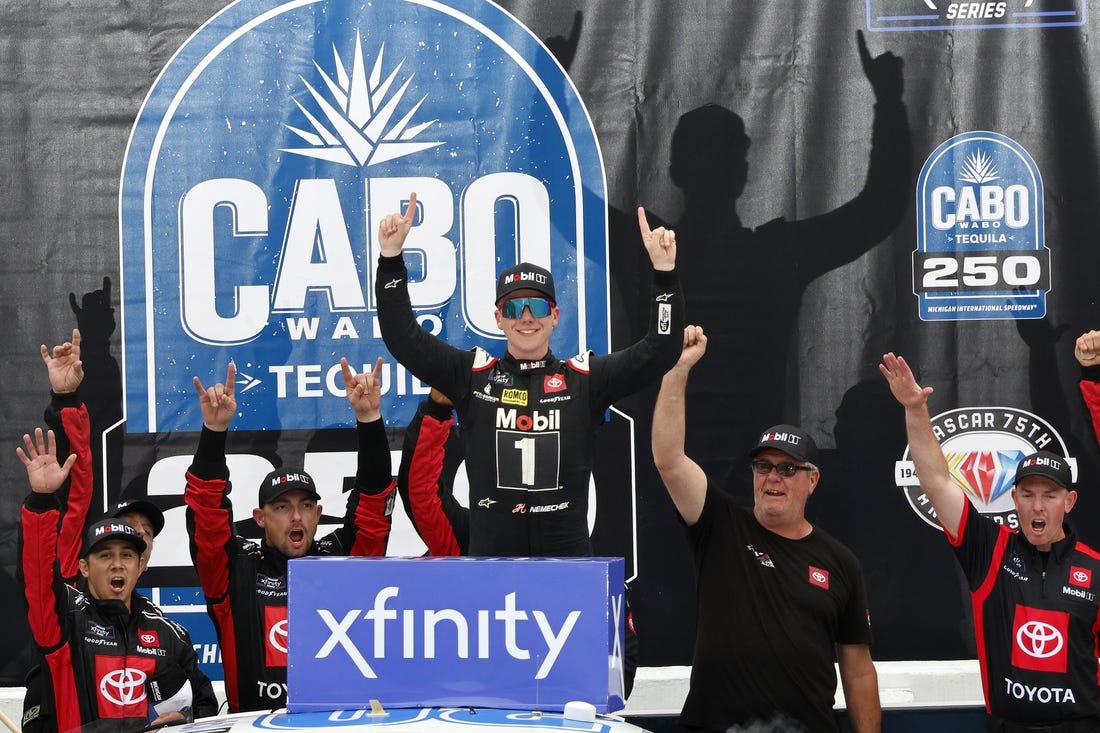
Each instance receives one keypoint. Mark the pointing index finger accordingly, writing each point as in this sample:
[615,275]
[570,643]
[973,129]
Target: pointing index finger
[411,211]
[643,222]
[864,52]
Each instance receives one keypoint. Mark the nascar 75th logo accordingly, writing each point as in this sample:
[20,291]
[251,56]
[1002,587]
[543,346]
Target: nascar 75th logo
[269,149]
[980,247]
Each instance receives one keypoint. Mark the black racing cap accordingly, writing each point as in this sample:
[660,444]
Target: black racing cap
[790,439]
[140,506]
[1046,464]
[525,276]
[280,481]
[111,529]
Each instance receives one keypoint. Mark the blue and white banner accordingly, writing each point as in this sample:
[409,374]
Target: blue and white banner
[981,252]
[268,151]
[529,634]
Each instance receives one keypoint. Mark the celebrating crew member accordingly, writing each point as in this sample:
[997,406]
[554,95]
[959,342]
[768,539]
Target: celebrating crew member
[68,418]
[1036,613]
[111,654]
[529,416]
[245,583]
[778,600]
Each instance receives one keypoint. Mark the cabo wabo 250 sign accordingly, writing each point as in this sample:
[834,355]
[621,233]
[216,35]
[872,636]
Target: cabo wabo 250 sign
[983,446]
[270,148]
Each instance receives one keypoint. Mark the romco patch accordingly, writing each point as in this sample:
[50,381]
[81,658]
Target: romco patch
[266,154]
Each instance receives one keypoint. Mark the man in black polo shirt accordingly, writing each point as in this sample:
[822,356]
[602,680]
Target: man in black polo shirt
[1033,590]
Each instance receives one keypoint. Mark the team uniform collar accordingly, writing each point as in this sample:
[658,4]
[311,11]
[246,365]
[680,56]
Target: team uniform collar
[1059,550]
[529,366]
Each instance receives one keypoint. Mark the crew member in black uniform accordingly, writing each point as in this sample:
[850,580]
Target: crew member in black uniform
[1034,591]
[245,583]
[778,600]
[111,654]
[529,416]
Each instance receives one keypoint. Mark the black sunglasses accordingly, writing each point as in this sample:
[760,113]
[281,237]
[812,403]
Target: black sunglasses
[786,470]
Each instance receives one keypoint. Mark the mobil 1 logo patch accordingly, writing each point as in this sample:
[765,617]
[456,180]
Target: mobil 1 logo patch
[981,253]
[267,153]
[929,15]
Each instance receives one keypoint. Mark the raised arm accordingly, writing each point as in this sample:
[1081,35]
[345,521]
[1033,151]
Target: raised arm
[209,511]
[68,418]
[429,358]
[685,480]
[38,539]
[935,480]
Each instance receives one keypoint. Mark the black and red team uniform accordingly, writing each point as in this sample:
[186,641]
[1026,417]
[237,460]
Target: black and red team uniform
[1036,618]
[101,659]
[769,613]
[245,582]
[529,424]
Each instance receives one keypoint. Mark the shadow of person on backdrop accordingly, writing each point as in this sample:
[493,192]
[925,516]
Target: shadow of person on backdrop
[905,560]
[102,386]
[745,286]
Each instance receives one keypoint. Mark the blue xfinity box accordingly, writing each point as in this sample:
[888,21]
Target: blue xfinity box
[528,634]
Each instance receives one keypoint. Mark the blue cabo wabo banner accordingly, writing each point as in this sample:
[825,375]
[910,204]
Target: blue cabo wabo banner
[529,634]
[269,149]
[981,251]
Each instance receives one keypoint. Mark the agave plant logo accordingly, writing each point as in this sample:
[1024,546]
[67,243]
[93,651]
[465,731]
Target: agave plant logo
[979,168]
[358,128]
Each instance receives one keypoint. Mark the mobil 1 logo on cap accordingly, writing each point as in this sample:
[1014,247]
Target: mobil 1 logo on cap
[981,253]
[264,158]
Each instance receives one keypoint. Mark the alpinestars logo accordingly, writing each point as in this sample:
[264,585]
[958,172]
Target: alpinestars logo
[983,446]
[359,129]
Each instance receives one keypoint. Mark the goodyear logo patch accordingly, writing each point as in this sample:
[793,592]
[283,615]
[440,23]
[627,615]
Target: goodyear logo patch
[514,397]
[930,15]
[266,154]
[981,253]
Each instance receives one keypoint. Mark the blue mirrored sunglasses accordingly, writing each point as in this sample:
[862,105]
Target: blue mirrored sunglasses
[540,307]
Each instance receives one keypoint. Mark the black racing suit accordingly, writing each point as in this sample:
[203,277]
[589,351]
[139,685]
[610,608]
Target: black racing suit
[1036,617]
[430,454]
[104,661]
[245,582]
[529,424]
